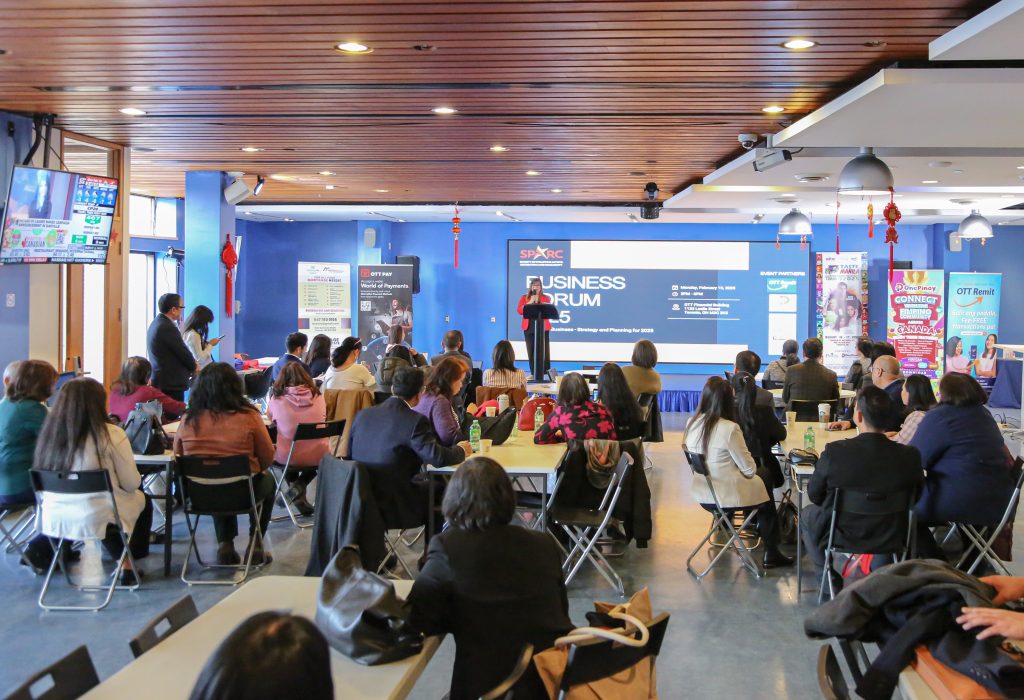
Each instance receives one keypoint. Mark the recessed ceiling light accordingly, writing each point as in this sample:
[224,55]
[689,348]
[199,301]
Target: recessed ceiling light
[531,173]
[289,220]
[800,44]
[929,182]
[328,187]
[497,148]
[247,213]
[132,111]
[282,178]
[444,110]
[382,191]
[326,172]
[773,109]
[556,190]
[958,171]
[250,149]
[1020,167]
[352,47]
[874,44]
[424,47]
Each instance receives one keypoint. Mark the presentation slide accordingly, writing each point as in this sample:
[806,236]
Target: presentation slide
[700,302]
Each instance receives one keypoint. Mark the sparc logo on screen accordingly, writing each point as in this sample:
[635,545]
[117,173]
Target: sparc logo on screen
[541,256]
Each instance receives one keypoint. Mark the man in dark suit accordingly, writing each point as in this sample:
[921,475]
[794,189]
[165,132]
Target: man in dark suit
[870,462]
[172,362]
[393,441]
[810,380]
[452,344]
[295,343]
[750,362]
[885,374]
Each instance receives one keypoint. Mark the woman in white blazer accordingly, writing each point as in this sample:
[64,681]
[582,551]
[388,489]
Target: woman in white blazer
[196,333]
[713,432]
[78,437]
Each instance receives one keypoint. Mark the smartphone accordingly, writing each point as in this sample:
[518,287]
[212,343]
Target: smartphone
[974,352]
[221,337]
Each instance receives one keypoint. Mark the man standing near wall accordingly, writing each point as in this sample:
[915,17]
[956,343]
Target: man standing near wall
[173,364]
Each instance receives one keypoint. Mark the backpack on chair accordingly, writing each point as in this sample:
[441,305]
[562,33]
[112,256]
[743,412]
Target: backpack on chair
[145,431]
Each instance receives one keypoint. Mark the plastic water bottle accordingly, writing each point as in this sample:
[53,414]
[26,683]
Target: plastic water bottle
[809,438]
[538,418]
[474,436]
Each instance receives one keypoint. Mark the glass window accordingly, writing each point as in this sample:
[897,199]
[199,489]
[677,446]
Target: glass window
[165,219]
[140,215]
[141,304]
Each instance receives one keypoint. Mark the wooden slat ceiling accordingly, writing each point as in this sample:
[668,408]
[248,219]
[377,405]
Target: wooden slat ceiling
[598,97]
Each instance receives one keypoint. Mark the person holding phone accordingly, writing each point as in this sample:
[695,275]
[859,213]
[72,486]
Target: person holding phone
[535,295]
[196,333]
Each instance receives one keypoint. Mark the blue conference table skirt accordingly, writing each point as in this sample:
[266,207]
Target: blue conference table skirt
[1006,391]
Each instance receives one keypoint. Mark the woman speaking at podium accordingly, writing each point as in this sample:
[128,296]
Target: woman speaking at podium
[535,295]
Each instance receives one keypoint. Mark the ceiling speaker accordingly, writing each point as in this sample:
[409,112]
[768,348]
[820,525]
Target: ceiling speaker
[956,244]
[369,237]
[237,191]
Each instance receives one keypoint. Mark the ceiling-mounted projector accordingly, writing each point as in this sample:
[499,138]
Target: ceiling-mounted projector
[237,191]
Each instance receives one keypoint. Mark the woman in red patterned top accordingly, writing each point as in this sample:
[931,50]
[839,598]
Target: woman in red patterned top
[576,417]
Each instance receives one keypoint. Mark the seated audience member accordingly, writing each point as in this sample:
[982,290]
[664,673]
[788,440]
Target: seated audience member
[451,346]
[810,380]
[713,432]
[965,459]
[880,349]
[78,437]
[27,386]
[346,372]
[295,399]
[220,422]
[318,357]
[750,362]
[576,417]
[196,332]
[614,393]
[919,398]
[640,374]
[997,621]
[493,585]
[269,656]
[869,462]
[393,442]
[775,373]
[442,386]
[398,347]
[859,368]
[885,374]
[504,374]
[761,429]
[133,387]
[296,345]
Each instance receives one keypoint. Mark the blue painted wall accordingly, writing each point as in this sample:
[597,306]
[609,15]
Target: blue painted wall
[1005,253]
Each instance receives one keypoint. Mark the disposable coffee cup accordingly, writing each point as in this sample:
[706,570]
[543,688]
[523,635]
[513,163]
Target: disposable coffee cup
[492,411]
[824,413]
[790,417]
[485,445]
[502,403]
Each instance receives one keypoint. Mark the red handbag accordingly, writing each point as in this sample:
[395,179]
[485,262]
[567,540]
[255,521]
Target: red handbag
[545,403]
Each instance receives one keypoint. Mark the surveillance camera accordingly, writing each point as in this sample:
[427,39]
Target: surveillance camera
[748,141]
[651,191]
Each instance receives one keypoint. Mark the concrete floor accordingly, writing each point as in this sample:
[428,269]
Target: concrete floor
[729,636]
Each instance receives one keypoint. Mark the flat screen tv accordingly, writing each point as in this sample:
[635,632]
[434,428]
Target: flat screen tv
[57,217]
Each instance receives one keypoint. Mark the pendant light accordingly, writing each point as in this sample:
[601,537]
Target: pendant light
[865,175]
[975,226]
[795,223]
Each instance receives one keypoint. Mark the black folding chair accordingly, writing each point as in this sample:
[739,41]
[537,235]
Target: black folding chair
[68,679]
[257,386]
[721,521]
[304,431]
[602,658]
[11,535]
[807,411]
[226,490]
[92,482]
[981,539]
[898,505]
[182,612]
[506,689]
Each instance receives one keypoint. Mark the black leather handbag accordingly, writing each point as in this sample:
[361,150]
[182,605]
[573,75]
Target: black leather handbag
[361,615]
[144,430]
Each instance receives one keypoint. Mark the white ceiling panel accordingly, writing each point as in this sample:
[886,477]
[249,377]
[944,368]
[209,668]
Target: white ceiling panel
[994,35]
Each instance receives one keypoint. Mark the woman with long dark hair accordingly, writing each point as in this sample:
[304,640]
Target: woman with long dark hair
[346,372]
[78,437]
[220,422]
[132,387]
[535,295]
[618,398]
[295,399]
[956,361]
[318,356]
[504,374]
[919,398]
[196,334]
[442,386]
[576,417]
[761,429]
[714,433]
[985,365]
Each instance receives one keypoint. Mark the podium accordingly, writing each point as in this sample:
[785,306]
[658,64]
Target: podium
[538,313]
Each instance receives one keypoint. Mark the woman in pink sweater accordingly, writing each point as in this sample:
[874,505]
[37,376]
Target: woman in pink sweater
[295,399]
[132,388]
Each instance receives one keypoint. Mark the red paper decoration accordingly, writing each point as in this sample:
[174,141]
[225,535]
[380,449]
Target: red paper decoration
[892,215]
[871,220]
[456,230]
[229,257]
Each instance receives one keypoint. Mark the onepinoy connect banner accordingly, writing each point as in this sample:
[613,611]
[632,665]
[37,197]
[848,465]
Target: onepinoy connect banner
[916,320]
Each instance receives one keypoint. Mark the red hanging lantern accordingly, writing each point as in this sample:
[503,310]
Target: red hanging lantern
[456,230]
[892,215]
[837,226]
[229,257]
[871,219]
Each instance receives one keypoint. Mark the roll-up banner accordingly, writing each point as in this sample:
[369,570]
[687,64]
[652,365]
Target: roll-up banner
[917,320]
[325,300]
[385,301]
[973,324]
[842,306]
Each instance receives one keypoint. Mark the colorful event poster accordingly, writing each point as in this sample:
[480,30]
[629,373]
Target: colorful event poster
[973,324]
[842,306]
[325,300]
[917,321]
[385,301]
